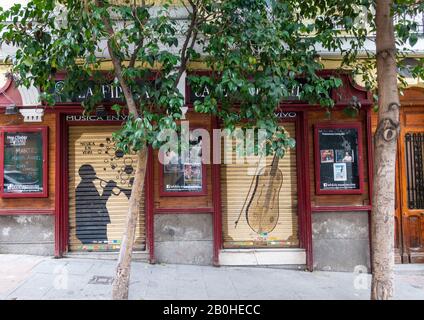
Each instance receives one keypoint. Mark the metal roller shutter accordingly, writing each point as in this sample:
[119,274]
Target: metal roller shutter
[98,210]
[236,180]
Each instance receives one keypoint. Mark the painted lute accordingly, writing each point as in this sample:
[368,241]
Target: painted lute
[262,210]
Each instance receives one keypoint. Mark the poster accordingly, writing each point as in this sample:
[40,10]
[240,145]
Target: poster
[179,176]
[340,172]
[23,162]
[327,156]
[338,157]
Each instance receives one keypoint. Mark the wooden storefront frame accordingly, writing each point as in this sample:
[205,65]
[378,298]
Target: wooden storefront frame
[305,208]
[341,97]
[61,182]
[302,167]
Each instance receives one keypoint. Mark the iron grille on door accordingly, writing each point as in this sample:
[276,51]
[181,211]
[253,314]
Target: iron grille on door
[415,169]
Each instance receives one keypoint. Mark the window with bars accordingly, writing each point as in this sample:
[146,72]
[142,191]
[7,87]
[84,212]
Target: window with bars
[414,144]
[417,19]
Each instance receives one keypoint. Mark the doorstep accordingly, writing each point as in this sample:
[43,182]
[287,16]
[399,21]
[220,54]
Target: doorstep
[262,257]
[410,269]
[141,256]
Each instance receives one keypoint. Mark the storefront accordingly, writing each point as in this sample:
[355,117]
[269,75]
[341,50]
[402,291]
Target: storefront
[71,189]
[27,200]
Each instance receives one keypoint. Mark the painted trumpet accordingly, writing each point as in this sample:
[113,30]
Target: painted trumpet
[104,183]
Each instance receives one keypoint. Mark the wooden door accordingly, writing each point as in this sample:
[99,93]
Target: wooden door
[412,193]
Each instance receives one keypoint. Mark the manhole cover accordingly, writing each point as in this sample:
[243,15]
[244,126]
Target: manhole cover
[100,280]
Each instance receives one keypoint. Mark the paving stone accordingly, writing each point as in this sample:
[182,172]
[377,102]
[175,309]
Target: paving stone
[81,267]
[48,266]
[68,278]
[25,292]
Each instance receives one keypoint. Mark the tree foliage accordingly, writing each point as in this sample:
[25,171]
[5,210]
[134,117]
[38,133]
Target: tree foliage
[259,52]
[71,37]
[354,28]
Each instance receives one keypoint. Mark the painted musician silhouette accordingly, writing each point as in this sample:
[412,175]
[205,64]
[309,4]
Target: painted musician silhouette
[92,216]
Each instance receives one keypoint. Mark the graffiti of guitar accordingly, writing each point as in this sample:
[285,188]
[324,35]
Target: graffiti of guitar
[262,210]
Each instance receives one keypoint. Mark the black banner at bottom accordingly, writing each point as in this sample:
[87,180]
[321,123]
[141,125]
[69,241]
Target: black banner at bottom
[188,309]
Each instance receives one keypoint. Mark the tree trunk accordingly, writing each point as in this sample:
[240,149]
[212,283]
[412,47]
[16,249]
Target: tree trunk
[385,145]
[120,286]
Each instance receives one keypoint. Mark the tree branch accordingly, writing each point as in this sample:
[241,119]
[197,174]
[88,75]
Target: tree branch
[133,58]
[117,64]
[191,35]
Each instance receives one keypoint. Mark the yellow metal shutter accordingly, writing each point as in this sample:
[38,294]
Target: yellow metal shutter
[236,182]
[97,212]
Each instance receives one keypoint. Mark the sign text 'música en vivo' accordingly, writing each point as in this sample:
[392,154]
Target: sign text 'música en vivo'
[115,117]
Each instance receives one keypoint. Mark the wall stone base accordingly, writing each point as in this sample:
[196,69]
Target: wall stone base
[340,241]
[184,238]
[27,234]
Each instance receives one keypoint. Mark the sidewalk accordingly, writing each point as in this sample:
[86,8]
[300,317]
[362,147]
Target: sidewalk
[33,277]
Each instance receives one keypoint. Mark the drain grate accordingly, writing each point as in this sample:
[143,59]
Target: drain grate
[100,280]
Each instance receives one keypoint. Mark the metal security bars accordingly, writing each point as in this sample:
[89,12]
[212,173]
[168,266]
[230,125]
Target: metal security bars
[415,169]
[417,20]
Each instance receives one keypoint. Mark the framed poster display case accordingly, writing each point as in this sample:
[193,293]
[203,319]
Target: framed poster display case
[23,162]
[338,158]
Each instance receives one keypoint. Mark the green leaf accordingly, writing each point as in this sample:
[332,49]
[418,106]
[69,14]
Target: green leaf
[413,39]
[117,108]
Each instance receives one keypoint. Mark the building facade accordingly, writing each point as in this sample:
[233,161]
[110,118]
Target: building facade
[65,188]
